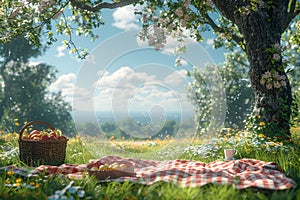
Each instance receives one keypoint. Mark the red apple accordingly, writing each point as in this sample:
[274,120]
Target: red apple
[52,137]
[35,138]
[62,137]
[34,133]
[52,133]
[45,137]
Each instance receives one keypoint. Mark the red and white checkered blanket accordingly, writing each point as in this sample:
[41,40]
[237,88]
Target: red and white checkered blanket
[241,173]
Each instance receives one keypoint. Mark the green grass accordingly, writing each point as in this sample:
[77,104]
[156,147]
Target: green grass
[81,150]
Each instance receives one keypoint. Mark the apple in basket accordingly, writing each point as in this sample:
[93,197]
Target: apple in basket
[61,137]
[34,135]
[44,135]
[57,135]
[53,134]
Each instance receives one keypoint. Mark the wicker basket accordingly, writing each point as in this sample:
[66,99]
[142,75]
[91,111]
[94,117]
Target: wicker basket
[41,152]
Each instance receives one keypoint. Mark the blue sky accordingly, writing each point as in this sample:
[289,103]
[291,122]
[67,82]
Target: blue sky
[123,74]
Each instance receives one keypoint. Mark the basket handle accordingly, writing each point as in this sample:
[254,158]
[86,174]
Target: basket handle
[34,122]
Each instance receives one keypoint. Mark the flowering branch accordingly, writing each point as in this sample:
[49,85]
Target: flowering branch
[102,5]
[273,80]
[237,39]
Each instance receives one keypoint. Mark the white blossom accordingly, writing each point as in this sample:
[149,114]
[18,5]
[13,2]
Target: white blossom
[277,84]
[283,83]
[269,86]
[187,3]
[179,12]
[262,81]
[276,56]
[277,46]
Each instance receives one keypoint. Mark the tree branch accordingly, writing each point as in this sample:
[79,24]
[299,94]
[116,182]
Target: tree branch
[218,29]
[102,5]
[293,12]
[213,24]
[242,63]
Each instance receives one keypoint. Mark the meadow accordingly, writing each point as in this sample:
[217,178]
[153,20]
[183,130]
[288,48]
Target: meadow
[81,149]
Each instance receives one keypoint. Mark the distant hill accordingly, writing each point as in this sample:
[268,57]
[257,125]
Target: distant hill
[84,116]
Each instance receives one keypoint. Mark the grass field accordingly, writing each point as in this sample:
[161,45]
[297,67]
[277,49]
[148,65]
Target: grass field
[82,149]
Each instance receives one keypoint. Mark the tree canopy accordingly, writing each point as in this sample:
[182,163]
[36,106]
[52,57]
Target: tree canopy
[256,26]
[35,18]
[24,89]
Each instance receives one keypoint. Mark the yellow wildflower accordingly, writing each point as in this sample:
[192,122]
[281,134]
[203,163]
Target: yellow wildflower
[262,123]
[32,183]
[10,173]
[16,135]
[16,184]
[261,135]
[272,144]
[38,185]
[19,180]
[112,138]
[7,181]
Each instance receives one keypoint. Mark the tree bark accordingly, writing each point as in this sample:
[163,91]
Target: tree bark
[261,27]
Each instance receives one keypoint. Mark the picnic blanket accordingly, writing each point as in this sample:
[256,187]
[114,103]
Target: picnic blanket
[240,173]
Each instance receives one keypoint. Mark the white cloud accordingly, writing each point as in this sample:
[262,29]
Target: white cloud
[65,84]
[118,85]
[125,18]
[209,42]
[76,96]
[169,48]
[172,43]
[177,78]
[150,95]
[128,88]
[124,77]
[60,51]
[63,81]
[123,89]
[35,63]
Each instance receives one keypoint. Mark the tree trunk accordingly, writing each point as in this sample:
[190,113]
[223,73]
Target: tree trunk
[261,27]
